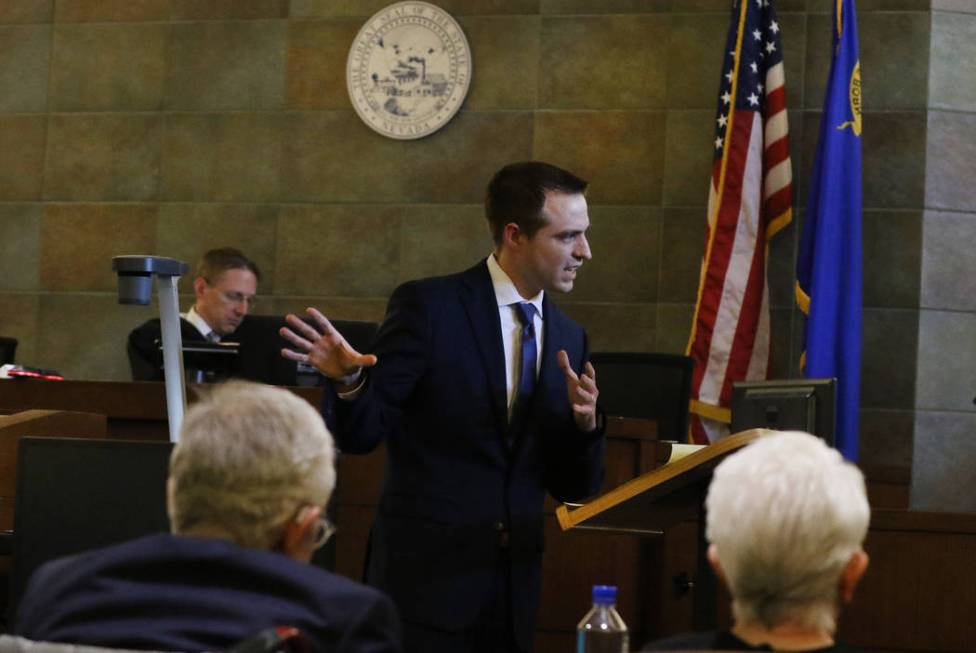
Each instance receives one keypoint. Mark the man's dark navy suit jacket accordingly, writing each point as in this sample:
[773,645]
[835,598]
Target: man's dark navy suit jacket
[464,490]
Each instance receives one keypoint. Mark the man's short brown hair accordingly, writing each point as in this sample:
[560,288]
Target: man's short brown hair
[217,261]
[517,194]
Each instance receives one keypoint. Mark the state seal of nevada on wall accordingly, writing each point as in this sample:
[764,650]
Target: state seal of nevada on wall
[408,70]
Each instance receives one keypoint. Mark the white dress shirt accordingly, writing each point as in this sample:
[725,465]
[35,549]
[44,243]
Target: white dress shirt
[507,296]
[201,325]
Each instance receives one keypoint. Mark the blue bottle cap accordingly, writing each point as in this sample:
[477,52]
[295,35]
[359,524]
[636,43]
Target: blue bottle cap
[604,593]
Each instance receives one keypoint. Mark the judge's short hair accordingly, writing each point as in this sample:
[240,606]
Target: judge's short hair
[215,262]
[517,193]
[785,515]
[249,457]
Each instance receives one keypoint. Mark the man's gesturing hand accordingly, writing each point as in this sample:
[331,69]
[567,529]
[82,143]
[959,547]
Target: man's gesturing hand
[325,349]
[582,392]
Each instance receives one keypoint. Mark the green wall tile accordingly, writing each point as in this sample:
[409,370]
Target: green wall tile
[22,140]
[885,439]
[893,169]
[505,60]
[108,67]
[20,244]
[247,152]
[794,40]
[317,54]
[894,59]
[694,82]
[892,254]
[819,34]
[189,156]
[889,352]
[186,231]
[605,6]
[451,165]
[621,153]
[24,67]
[26,11]
[344,251]
[441,239]
[366,8]
[337,308]
[216,66]
[103,156]
[626,246]
[78,242]
[782,361]
[79,11]
[689,155]
[673,327]
[228,9]
[865,6]
[781,266]
[682,250]
[602,62]
[83,336]
[614,327]
[18,319]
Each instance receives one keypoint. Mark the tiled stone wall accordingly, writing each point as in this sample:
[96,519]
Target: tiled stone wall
[945,421]
[170,126]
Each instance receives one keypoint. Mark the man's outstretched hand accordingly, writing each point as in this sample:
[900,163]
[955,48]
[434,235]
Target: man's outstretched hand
[324,348]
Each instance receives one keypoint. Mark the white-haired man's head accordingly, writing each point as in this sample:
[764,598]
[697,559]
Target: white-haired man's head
[255,464]
[787,516]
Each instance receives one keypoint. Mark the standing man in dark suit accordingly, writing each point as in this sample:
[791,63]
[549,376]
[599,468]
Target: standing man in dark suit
[481,389]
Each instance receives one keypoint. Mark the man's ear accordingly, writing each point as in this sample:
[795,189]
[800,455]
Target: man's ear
[299,534]
[511,235]
[715,564]
[199,286]
[852,574]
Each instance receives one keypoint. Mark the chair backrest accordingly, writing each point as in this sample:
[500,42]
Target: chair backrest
[8,350]
[259,356]
[261,345]
[646,385]
[75,494]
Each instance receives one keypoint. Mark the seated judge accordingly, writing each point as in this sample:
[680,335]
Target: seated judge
[786,518]
[247,487]
[224,286]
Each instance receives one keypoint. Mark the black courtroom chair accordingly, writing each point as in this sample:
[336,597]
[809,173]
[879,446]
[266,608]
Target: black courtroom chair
[261,345]
[8,348]
[259,357]
[646,385]
[77,494]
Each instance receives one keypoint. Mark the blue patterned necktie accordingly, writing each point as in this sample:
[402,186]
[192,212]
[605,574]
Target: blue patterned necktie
[525,312]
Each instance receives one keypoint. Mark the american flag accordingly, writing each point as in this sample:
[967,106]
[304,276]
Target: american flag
[749,201]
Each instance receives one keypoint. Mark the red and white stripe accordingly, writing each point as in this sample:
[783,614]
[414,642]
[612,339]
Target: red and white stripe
[731,334]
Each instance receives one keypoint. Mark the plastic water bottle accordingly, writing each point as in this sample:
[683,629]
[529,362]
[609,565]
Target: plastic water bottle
[602,630]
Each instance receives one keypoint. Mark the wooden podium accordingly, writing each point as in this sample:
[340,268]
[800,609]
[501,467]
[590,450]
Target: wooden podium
[661,499]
